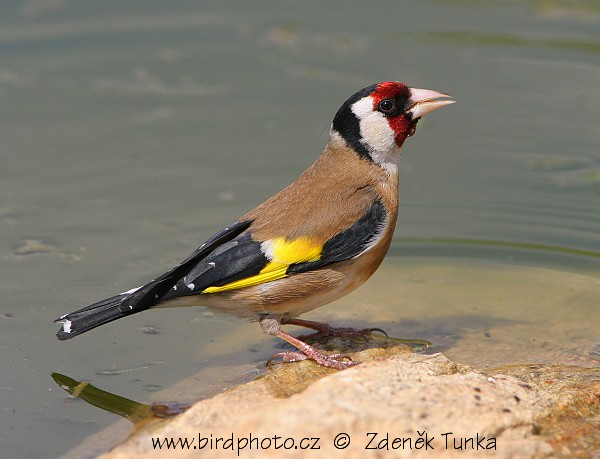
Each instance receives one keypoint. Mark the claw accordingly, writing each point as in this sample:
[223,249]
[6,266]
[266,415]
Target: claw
[378,330]
[272,325]
[337,361]
[287,356]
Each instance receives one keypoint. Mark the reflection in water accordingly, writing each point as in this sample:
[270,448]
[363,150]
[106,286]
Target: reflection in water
[139,414]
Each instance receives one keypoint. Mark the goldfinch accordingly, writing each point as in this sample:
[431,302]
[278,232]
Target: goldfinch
[310,244]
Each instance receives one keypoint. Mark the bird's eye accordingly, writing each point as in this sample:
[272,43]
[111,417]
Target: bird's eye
[387,106]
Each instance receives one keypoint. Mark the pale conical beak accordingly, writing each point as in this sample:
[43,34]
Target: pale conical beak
[424,101]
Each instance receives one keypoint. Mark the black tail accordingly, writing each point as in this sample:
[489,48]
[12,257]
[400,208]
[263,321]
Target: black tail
[92,316]
[144,297]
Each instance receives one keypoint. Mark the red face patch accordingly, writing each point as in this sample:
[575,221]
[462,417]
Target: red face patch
[400,123]
[389,90]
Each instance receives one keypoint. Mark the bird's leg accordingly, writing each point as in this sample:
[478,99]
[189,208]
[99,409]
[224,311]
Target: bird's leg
[272,325]
[323,329]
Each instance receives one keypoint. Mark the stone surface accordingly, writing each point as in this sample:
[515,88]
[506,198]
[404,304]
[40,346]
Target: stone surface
[428,403]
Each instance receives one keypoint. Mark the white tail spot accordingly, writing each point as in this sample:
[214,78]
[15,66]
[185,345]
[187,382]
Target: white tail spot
[67,326]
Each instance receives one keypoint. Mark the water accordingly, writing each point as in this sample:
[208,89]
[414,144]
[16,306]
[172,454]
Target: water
[131,132]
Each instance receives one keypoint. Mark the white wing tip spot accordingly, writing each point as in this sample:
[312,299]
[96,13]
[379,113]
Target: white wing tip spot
[190,286]
[67,326]
[133,290]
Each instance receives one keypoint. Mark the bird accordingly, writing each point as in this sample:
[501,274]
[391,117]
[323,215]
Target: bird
[310,244]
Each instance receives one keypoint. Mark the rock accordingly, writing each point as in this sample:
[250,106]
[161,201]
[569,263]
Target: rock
[395,404]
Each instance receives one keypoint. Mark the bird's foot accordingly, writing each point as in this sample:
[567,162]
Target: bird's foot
[325,330]
[305,351]
[337,361]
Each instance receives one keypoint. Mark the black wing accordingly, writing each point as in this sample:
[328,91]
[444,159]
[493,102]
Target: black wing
[351,242]
[242,262]
[151,293]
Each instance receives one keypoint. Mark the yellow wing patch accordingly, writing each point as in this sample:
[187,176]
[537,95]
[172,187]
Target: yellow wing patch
[299,250]
[282,254]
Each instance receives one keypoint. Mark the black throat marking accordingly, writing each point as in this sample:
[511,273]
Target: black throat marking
[347,124]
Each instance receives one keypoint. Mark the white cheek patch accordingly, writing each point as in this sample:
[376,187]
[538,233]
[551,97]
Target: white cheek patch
[376,133]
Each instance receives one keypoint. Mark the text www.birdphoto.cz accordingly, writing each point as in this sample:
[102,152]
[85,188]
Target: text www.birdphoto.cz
[423,440]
